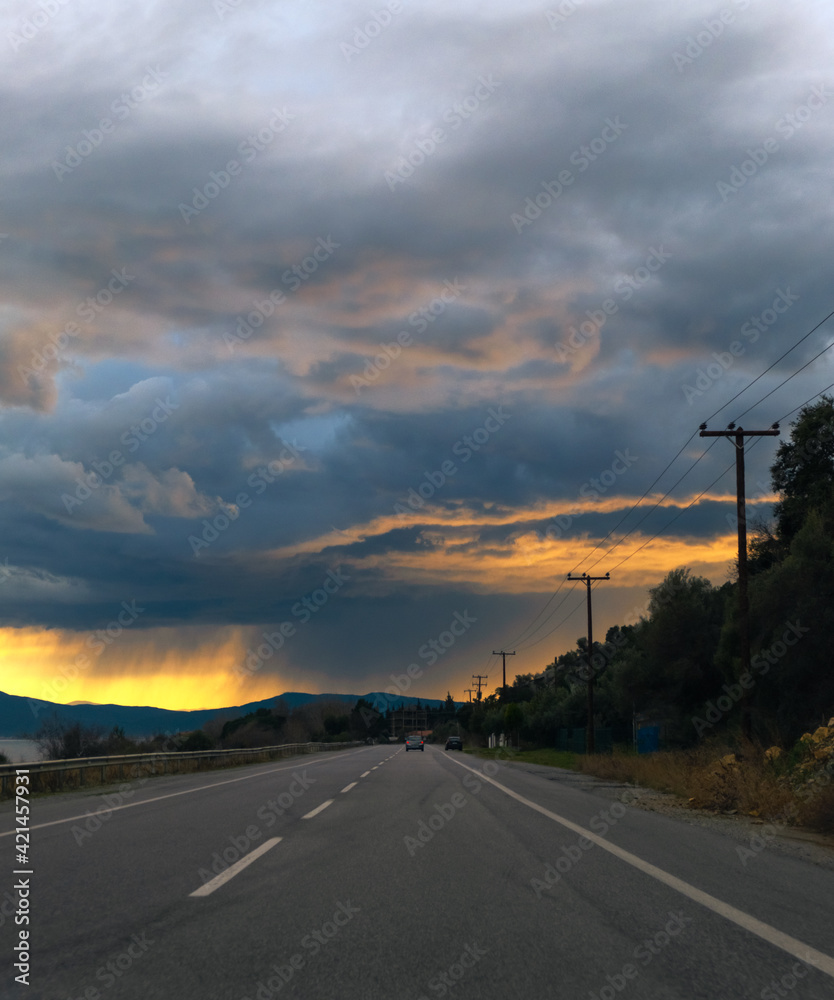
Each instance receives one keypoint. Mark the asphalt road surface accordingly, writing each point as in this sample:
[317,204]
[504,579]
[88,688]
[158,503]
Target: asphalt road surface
[376,874]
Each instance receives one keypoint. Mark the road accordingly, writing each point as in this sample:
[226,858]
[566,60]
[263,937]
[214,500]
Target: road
[376,874]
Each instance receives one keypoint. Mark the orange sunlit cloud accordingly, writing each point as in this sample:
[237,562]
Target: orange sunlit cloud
[199,666]
[525,559]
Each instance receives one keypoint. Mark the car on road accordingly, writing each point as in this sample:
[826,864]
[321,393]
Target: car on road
[454,743]
[414,743]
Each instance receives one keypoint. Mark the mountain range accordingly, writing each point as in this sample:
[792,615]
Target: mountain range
[21,717]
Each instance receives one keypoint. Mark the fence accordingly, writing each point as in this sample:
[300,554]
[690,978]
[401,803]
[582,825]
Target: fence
[58,775]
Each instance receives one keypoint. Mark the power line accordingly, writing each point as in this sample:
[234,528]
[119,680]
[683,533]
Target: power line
[480,679]
[520,638]
[781,420]
[524,638]
[738,434]
[559,624]
[503,656]
[641,499]
[654,508]
[776,362]
[784,381]
[616,544]
[588,580]
[673,519]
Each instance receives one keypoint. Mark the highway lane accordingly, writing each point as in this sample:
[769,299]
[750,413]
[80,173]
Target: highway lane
[418,879]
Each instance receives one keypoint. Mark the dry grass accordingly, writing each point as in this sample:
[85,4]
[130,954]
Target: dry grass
[668,771]
[818,812]
[725,779]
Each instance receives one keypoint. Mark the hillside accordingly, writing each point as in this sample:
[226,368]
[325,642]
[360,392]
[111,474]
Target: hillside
[20,717]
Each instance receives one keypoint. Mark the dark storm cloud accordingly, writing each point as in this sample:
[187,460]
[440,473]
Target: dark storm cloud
[602,225]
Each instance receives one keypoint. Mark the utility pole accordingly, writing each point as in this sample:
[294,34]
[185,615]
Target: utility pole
[589,733]
[469,692]
[739,434]
[504,656]
[480,678]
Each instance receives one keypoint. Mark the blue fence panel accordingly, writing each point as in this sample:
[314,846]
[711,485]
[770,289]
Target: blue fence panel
[648,739]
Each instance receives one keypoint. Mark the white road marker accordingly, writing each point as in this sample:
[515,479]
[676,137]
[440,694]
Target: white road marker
[232,870]
[318,809]
[347,788]
[173,795]
[365,775]
[793,946]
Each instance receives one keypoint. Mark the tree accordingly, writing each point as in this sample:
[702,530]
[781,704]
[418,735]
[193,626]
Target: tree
[791,624]
[197,740]
[259,728]
[117,743]
[366,721]
[668,665]
[803,472]
[62,740]
[513,718]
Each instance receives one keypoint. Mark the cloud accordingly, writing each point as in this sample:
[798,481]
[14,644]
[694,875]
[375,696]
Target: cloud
[221,320]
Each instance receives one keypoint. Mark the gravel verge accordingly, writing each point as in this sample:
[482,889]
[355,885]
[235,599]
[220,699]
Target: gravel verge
[795,842]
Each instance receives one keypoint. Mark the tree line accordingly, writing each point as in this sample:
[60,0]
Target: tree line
[680,663]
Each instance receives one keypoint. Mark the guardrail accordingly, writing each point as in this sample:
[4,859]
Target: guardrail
[58,775]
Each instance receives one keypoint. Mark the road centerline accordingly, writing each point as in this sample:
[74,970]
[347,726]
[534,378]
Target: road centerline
[170,795]
[208,888]
[318,809]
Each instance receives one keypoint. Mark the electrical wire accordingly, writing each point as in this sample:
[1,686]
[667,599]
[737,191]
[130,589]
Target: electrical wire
[524,640]
[785,381]
[776,362]
[807,401]
[673,519]
[521,636]
[656,505]
[642,546]
[558,624]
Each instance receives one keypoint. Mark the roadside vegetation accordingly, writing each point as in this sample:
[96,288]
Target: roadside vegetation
[679,666]
[317,722]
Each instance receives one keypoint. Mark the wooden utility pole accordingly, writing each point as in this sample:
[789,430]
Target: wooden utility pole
[739,434]
[504,657]
[480,679]
[469,692]
[589,732]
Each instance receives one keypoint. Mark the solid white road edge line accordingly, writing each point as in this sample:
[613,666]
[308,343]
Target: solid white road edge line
[318,809]
[798,949]
[232,870]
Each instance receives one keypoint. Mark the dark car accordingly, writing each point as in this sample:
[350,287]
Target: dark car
[454,743]
[414,743]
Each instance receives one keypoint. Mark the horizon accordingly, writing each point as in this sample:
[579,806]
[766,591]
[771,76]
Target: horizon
[323,364]
[220,708]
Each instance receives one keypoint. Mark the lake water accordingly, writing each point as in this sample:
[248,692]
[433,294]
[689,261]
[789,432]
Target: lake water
[20,751]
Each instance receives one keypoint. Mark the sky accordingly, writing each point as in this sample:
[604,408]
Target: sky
[333,337]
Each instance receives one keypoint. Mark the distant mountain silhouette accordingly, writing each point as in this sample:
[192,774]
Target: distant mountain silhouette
[21,717]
